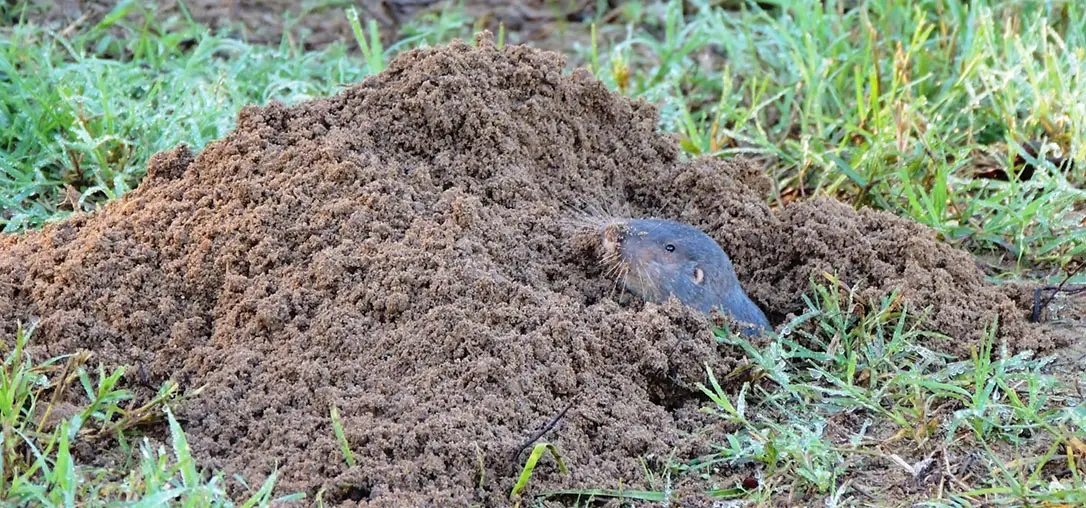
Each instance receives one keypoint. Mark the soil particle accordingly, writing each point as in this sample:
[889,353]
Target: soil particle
[397,251]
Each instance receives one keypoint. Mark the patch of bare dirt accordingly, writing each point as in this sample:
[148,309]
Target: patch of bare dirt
[320,23]
[397,251]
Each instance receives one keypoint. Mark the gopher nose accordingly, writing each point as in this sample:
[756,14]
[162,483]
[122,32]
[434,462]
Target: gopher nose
[612,237]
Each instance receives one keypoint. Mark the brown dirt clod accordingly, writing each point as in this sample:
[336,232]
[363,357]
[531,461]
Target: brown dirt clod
[397,251]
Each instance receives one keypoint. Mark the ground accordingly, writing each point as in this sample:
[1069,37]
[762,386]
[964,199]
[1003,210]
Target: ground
[371,292]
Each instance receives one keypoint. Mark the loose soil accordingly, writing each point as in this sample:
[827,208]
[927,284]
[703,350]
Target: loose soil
[399,251]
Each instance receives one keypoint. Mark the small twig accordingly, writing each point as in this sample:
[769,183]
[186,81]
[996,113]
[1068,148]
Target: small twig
[1039,304]
[535,437]
[864,491]
[72,364]
[75,24]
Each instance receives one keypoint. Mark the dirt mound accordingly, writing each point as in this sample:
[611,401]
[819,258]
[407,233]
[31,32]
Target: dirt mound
[398,251]
[875,253]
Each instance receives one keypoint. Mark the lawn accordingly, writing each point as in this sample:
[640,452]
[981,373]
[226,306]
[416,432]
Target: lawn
[968,117]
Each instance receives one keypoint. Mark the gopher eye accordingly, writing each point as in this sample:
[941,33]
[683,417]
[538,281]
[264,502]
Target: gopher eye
[699,275]
[669,248]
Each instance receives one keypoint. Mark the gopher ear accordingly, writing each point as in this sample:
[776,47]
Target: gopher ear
[699,275]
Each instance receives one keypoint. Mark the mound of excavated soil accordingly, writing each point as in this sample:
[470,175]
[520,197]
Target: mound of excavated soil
[398,251]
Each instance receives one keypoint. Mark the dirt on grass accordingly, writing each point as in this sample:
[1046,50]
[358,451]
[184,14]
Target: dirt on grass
[398,251]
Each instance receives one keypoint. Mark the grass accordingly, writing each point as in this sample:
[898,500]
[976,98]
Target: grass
[38,466]
[846,403]
[897,105]
[921,109]
[529,466]
[80,115]
[906,108]
[914,401]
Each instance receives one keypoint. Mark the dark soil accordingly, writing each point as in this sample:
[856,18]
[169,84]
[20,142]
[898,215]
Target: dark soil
[398,251]
[317,24]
